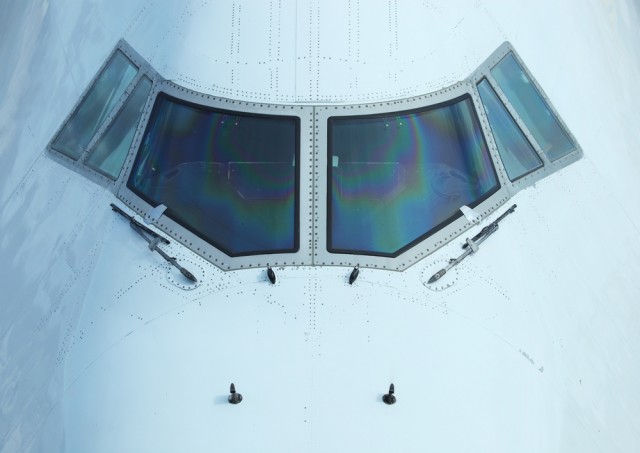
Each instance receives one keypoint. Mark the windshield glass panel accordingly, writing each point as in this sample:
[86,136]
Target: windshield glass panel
[396,179]
[110,152]
[96,106]
[231,178]
[517,154]
[532,108]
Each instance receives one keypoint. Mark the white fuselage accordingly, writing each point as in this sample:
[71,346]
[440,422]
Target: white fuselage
[528,345]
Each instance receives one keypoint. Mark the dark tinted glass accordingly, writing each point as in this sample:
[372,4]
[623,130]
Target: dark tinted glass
[396,179]
[517,154]
[230,178]
[532,108]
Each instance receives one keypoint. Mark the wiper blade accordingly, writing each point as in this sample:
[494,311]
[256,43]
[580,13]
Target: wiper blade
[144,228]
[471,245]
[154,239]
[495,222]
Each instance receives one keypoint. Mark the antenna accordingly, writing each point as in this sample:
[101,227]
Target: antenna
[354,274]
[271,275]
[389,398]
[234,398]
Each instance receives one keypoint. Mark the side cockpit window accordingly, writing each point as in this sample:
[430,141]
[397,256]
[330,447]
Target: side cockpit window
[110,151]
[532,108]
[517,154]
[98,103]
[97,136]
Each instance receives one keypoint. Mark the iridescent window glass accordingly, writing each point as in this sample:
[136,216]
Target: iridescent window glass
[231,178]
[395,179]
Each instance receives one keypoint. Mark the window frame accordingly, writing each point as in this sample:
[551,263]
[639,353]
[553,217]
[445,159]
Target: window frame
[484,72]
[436,228]
[193,241]
[536,150]
[103,133]
[79,165]
[174,216]
[430,241]
[312,168]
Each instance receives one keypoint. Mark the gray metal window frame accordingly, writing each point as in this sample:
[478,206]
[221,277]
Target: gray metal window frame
[439,238]
[203,248]
[79,166]
[312,167]
[549,167]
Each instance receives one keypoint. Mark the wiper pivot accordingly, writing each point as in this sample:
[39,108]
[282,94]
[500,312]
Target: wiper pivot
[154,240]
[471,245]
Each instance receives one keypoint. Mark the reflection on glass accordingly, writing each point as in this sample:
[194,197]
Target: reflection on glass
[230,178]
[518,156]
[95,107]
[532,108]
[110,152]
[394,180]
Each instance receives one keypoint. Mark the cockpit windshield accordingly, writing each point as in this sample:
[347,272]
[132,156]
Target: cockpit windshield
[396,179]
[229,177]
[245,183]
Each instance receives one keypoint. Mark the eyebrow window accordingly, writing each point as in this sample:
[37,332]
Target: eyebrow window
[229,177]
[517,154]
[396,179]
[532,108]
[103,95]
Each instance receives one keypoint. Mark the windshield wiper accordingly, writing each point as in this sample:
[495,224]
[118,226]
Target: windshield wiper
[471,245]
[154,239]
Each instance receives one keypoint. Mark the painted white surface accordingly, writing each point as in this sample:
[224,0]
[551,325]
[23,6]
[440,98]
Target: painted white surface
[531,349]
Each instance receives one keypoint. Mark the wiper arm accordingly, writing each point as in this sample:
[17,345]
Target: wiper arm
[486,229]
[471,245]
[154,239]
[141,226]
